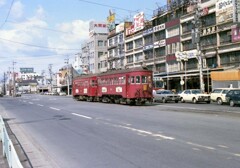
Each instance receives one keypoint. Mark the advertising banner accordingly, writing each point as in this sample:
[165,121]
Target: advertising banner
[138,21]
[224,11]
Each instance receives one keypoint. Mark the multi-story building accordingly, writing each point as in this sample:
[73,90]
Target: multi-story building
[187,42]
[116,51]
[94,49]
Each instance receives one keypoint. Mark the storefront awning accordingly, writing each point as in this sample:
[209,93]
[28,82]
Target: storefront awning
[226,75]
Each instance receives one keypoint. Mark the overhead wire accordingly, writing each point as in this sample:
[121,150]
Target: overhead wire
[9,11]
[37,46]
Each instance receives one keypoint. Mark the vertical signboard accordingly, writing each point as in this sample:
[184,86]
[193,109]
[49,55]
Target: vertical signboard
[235,34]
[224,11]
[111,21]
[138,21]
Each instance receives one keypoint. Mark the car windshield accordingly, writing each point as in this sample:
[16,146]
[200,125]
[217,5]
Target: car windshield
[196,91]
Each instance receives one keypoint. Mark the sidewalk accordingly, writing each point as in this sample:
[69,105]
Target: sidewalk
[3,160]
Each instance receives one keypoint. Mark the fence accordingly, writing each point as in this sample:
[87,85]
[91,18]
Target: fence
[8,149]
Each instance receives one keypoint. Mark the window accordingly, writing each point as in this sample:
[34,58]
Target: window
[100,43]
[148,40]
[138,57]
[137,79]
[130,59]
[129,45]
[144,79]
[160,51]
[132,79]
[171,32]
[138,43]
[100,54]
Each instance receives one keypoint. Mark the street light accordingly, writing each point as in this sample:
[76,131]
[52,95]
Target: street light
[66,61]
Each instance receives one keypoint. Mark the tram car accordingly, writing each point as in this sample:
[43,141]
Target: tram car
[85,87]
[128,86]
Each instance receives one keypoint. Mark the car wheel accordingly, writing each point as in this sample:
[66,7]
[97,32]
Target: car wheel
[182,100]
[232,103]
[219,101]
[164,100]
[176,101]
[194,100]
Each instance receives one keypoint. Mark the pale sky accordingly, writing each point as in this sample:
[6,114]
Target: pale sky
[36,33]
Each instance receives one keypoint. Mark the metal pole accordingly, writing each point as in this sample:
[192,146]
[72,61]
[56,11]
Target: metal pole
[67,60]
[185,74]
[196,38]
[14,87]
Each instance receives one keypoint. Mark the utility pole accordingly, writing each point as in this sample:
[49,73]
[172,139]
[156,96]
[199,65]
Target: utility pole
[196,40]
[14,87]
[50,73]
[4,83]
[67,62]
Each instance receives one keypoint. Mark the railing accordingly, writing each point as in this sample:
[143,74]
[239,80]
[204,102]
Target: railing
[8,149]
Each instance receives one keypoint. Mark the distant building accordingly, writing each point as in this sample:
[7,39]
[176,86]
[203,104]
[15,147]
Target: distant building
[91,60]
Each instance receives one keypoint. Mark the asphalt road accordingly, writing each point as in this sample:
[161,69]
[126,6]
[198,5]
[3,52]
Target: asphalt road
[61,132]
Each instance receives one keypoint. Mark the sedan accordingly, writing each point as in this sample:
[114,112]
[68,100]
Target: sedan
[233,97]
[165,96]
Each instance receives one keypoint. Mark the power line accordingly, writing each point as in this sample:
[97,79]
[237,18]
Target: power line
[100,4]
[37,46]
[9,11]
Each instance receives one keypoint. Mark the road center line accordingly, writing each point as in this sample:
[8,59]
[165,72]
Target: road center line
[201,146]
[40,105]
[30,102]
[54,108]
[83,116]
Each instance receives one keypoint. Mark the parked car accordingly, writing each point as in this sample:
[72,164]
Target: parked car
[62,94]
[165,96]
[18,94]
[233,97]
[1,95]
[219,95]
[194,95]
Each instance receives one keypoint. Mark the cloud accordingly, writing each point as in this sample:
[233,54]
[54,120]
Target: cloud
[36,30]
[74,33]
[17,10]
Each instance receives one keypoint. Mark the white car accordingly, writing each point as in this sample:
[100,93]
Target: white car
[62,94]
[219,95]
[165,96]
[194,95]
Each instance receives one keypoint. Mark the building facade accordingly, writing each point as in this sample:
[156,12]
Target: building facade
[94,50]
[184,43]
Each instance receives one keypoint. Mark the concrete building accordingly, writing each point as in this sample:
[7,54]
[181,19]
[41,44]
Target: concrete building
[94,50]
[185,42]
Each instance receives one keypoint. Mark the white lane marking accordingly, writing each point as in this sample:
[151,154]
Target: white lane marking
[40,105]
[54,108]
[201,146]
[146,132]
[30,102]
[237,154]
[83,116]
[222,146]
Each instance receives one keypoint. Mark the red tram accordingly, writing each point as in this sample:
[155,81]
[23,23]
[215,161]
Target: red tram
[128,86]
